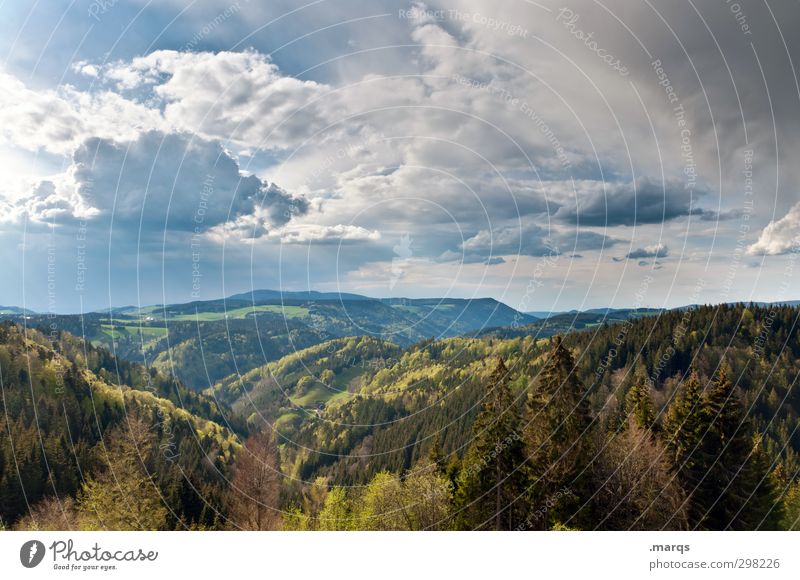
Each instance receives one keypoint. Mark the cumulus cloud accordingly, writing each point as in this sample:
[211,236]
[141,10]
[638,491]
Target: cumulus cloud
[320,234]
[652,251]
[47,203]
[176,181]
[526,240]
[780,236]
[237,96]
[649,255]
[476,129]
[57,121]
[159,182]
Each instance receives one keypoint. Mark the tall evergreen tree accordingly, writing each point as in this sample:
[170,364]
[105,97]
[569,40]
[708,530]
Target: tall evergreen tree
[558,438]
[639,404]
[493,478]
[735,491]
[682,426]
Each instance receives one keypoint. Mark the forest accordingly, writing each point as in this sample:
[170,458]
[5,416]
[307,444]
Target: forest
[680,420]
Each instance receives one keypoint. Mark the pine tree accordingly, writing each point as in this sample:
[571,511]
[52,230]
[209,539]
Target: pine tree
[682,426]
[493,478]
[558,437]
[735,491]
[639,404]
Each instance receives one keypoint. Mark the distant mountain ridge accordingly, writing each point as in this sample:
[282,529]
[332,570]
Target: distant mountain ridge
[266,295]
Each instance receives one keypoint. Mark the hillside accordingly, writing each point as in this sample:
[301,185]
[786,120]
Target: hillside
[680,419]
[388,410]
[64,402]
[203,342]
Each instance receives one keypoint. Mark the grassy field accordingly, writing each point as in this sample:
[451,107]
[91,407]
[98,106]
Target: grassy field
[244,312]
[336,393]
[148,334]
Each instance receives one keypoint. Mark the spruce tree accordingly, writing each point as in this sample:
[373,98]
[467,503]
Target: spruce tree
[558,438]
[682,429]
[639,405]
[493,478]
[735,491]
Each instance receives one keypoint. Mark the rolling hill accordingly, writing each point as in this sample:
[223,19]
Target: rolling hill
[202,342]
[63,401]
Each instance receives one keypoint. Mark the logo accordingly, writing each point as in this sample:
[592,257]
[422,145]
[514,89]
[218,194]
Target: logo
[31,553]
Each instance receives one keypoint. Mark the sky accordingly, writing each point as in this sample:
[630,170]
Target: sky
[551,155]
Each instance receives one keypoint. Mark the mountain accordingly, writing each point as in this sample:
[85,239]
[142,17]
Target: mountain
[202,342]
[611,313]
[365,422]
[276,296]
[568,322]
[14,311]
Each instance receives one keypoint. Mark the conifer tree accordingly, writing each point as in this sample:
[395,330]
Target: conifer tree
[682,428]
[734,491]
[639,404]
[125,495]
[558,436]
[493,478]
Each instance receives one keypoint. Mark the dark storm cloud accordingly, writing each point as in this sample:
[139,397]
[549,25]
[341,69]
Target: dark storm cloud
[628,204]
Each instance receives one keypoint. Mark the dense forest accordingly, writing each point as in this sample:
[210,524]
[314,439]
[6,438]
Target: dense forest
[683,419]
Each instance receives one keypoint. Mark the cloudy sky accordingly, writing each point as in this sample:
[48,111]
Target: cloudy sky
[552,155]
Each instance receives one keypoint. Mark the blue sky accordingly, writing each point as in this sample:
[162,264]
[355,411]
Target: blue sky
[550,156]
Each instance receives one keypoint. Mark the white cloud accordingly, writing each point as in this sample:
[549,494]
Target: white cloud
[58,121]
[55,201]
[237,96]
[780,236]
[527,240]
[313,233]
[157,183]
